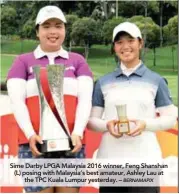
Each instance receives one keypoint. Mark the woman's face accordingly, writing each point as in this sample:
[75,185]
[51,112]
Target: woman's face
[51,35]
[128,49]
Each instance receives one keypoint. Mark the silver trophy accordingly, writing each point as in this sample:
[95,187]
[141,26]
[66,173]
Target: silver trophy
[123,123]
[54,129]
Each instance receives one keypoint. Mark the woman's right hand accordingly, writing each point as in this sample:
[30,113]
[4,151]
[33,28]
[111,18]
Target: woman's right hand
[34,139]
[111,126]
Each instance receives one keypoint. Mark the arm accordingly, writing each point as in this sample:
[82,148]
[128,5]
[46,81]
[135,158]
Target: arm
[17,93]
[167,111]
[166,120]
[16,86]
[96,123]
[85,89]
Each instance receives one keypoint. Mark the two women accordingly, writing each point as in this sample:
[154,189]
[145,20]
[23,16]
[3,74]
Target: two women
[133,84]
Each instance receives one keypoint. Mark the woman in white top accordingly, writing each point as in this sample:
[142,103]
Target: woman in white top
[24,95]
[144,92]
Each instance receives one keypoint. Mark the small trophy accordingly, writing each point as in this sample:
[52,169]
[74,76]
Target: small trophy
[53,124]
[123,123]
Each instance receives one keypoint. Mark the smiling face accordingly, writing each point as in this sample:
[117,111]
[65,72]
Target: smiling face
[51,35]
[128,49]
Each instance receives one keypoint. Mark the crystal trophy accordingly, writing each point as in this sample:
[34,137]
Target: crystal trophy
[123,123]
[53,123]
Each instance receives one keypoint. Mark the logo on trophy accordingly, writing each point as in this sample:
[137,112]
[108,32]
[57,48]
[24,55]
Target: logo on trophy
[123,123]
[53,127]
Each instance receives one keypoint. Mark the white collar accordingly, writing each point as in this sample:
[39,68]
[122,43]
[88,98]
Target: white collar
[38,53]
[124,68]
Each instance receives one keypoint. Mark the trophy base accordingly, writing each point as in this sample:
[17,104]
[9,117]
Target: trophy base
[54,145]
[123,127]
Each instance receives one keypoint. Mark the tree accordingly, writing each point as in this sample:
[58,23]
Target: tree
[108,28]
[171,30]
[70,21]
[85,32]
[148,25]
[161,22]
[145,5]
[172,3]
[28,30]
[145,8]
[8,22]
[163,4]
[84,8]
[150,28]
[25,11]
[104,9]
[131,8]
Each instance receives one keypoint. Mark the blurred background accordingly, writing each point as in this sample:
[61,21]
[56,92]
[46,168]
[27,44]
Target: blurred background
[89,32]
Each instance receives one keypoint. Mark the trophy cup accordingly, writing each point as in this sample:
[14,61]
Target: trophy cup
[123,123]
[53,127]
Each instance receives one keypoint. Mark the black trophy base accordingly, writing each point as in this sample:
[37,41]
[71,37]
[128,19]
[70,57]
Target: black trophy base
[54,146]
[42,147]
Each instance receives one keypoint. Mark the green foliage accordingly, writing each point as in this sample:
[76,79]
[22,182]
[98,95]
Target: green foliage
[97,13]
[84,8]
[85,31]
[99,39]
[131,8]
[153,7]
[17,18]
[108,28]
[104,10]
[172,3]
[70,21]
[8,22]
[28,30]
[148,27]
[171,30]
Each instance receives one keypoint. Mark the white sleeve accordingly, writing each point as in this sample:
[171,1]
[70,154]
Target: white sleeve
[96,123]
[85,90]
[17,92]
[166,120]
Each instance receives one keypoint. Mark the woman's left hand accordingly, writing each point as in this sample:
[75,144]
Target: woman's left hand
[76,141]
[139,128]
